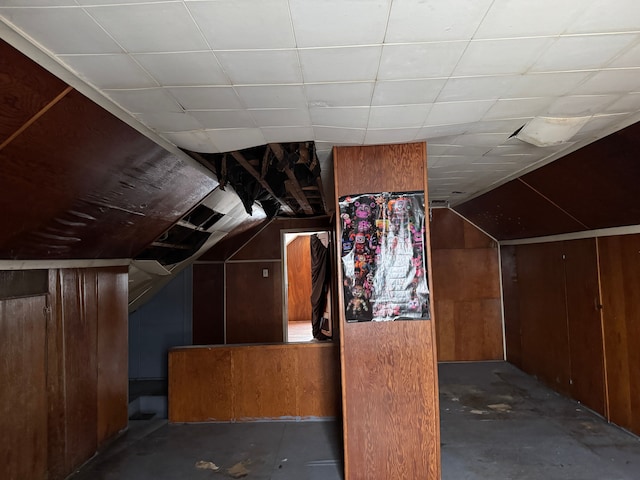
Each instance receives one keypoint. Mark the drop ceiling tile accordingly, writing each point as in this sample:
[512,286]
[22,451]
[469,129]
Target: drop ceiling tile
[157,27]
[611,81]
[482,139]
[339,136]
[352,64]
[169,122]
[630,58]
[38,3]
[379,136]
[287,134]
[244,24]
[457,112]
[281,117]
[206,98]
[407,92]
[214,119]
[607,16]
[183,69]
[272,96]
[509,19]
[397,116]
[261,66]
[196,141]
[501,57]
[629,103]
[518,107]
[339,94]
[421,60]
[147,100]
[545,84]
[431,132]
[413,21]
[109,71]
[476,88]
[579,105]
[598,123]
[460,152]
[230,139]
[61,30]
[347,117]
[507,126]
[339,22]
[582,52]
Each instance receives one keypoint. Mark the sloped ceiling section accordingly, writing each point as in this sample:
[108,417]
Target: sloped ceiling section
[592,188]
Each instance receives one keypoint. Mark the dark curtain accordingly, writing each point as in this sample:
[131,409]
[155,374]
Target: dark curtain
[319,276]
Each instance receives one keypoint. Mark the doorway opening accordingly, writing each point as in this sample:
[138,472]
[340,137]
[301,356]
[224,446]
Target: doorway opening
[307,292]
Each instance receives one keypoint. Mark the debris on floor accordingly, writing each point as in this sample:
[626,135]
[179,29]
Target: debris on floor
[500,407]
[203,465]
[238,470]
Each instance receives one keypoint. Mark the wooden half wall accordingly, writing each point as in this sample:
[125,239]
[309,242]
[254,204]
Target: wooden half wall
[572,320]
[389,375]
[63,370]
[249,382]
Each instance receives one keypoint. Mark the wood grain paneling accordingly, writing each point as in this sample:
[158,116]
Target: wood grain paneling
[389,379]
[514,210]
[620,278]
[253,382]
[511,305]
[299,280]
[254,303]
[543,314]
[26,88]
[584,323]
[23,396]
[112,352]
[208,303]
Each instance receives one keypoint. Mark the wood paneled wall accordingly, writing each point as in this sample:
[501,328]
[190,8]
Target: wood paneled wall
[466,277]
[252,311]
[253,382]
[552,317]
[65,383]
[389,376]
[299,280]
[620,278]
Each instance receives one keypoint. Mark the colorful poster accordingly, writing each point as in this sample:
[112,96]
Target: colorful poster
[383,257]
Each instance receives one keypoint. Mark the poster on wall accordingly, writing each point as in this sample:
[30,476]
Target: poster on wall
[383,257]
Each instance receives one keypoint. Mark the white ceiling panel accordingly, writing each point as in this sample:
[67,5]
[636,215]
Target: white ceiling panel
[195,140]
[157,27]
[630,58]
[346,64]
[206,98]
[545,84]
[396,116]
[339,136]
[169,122]
[339,94]
[61,30]
[223,118]
[582,52]
[518,107]
[501,57]
[287,134]
[580,105]
[246,67]
[521,18]
[476,88]
[232,24]
[407,92]
[628,103]
[602,16]
[229,139]
[390,135]
[415,21]
[421,60]
[347,117]
[272,96]
[282,117]
[147,100]
[109,71]
[339,22]
[183,69]
[611,81]
[446,113]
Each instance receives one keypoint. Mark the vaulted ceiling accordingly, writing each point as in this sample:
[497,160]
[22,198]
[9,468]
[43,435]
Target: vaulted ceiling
[464,75]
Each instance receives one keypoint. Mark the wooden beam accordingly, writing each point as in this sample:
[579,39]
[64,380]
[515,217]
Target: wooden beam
[292,185]
[252,171]
[266,160]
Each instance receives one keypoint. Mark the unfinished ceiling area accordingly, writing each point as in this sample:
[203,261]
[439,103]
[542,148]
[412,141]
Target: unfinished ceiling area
[464,75]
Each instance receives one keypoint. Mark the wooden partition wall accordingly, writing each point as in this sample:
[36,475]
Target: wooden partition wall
[249,382]
[63,370]
[571,319]
[389,376]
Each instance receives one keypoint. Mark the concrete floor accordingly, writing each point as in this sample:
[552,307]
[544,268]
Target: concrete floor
[497,423]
